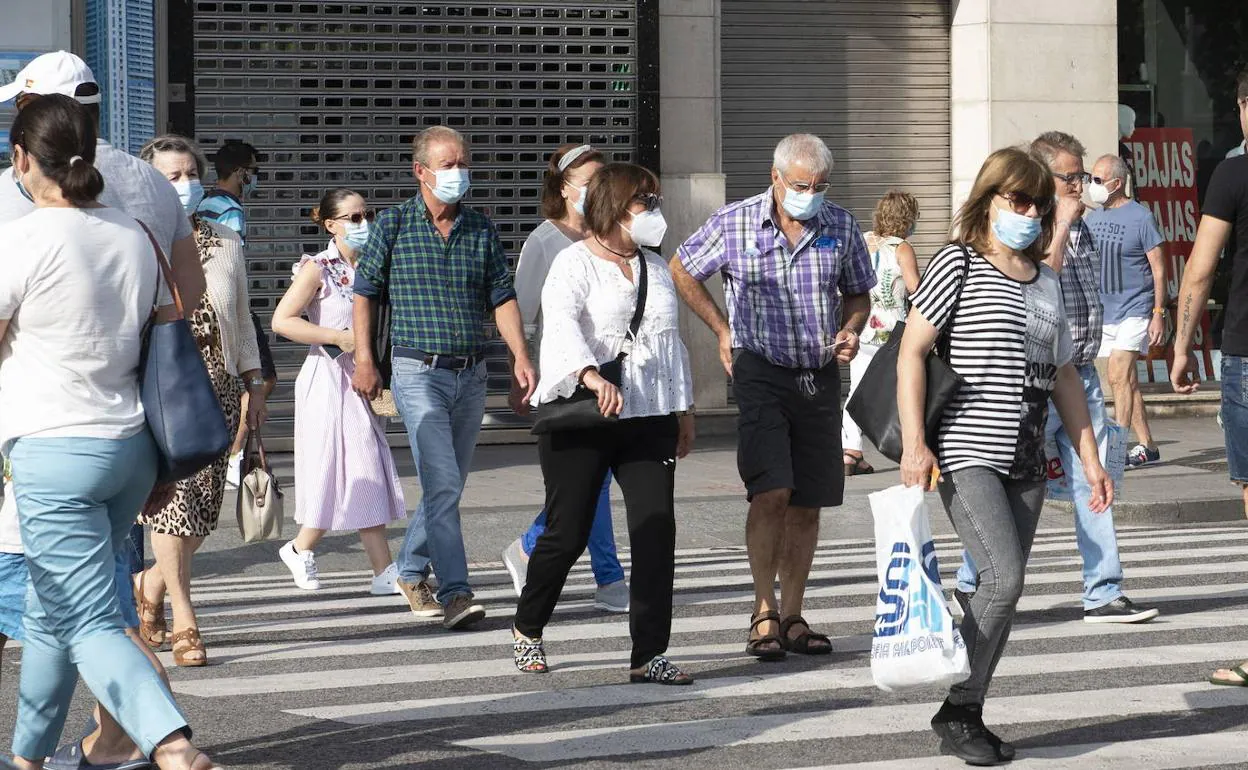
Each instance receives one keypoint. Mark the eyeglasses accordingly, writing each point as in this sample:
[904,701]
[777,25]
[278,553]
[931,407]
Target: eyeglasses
[357,217]
[651,201]
[805,187]
[1021,202]
[1077,177]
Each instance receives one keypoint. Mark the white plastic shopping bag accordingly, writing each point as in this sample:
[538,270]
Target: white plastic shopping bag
[1113,457]
[916,642]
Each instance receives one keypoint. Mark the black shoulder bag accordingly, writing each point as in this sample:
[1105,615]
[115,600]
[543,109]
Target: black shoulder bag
[580,410]
[874,403]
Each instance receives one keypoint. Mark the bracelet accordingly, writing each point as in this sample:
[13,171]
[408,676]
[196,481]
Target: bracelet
[690,412]
[580,378]
[1161,311]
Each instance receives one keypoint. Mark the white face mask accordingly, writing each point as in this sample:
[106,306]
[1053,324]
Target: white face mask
[190,192]
[1099,193]
[452,184]
[578,205]
[648,228]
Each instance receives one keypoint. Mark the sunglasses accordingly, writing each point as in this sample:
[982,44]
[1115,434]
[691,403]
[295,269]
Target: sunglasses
[651,201]
[1021,202]
[357,217]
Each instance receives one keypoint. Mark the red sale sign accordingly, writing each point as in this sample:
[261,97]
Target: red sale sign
[1163,162]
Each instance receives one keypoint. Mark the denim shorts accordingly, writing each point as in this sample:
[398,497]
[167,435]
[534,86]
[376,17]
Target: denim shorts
[15,582]
[1235,415]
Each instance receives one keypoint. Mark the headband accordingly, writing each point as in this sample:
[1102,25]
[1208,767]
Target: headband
[571,155]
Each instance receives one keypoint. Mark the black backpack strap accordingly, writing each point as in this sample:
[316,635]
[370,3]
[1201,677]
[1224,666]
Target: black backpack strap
[942,344]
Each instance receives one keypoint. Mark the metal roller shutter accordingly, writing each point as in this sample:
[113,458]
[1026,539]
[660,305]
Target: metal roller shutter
[332,92]
[870,78]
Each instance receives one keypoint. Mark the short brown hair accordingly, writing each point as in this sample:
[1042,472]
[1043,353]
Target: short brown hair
[554,205]
[1241,85]
[895,214]
[612,190]
[1009,170]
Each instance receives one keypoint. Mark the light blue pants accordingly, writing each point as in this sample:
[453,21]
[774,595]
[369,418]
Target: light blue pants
[442,411]
[76,500]
[1094,532]
[603,559]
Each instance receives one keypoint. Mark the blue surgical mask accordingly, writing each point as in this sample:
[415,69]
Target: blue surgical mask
[802,205]
[355,235]
[1015,230]
[249,187]
[578,205]
[190,192]
[452,184]
[22,188]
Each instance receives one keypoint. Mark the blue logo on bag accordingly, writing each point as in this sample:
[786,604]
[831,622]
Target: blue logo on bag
[907,604]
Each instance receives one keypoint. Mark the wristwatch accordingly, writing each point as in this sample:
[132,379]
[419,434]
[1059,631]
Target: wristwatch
[1161,311]
[256,383]
[691,411]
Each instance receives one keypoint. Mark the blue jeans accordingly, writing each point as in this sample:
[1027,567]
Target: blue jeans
[1094,532]
[442,411]
[1235,415]
[77,498]
[602,556]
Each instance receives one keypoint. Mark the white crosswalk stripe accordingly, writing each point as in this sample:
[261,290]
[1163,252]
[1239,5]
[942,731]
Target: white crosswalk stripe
[1070,694]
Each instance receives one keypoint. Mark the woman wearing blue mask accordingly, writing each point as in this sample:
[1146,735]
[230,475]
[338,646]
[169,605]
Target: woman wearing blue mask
[563,204]
[345,477]
[222,326]
[999,309]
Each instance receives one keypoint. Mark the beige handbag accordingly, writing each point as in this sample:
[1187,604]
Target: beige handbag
[259,496]
[383,405]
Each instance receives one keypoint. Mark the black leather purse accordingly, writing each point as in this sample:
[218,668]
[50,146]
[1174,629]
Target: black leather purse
[580,411]
[874,403]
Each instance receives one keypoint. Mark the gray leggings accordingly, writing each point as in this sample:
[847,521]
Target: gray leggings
[996,518]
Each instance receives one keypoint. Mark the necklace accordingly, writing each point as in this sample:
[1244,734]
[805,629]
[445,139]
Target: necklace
[622,256]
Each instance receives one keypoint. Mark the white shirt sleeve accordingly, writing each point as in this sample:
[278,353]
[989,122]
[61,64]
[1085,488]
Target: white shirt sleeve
[564,351]
[18,268]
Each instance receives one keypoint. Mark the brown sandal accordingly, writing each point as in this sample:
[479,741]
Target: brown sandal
[194,643]
[153,632]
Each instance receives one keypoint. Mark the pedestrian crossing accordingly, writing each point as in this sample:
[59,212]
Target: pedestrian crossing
[341,666]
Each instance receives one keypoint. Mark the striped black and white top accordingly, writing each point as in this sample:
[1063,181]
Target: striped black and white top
[1007,340]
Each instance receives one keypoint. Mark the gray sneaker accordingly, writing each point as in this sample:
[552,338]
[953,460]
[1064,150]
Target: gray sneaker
[517,563]
[462,613]
[612,597]
[420,599]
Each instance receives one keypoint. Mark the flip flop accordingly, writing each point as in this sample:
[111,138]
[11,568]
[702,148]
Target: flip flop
[1237,671]
[72,757]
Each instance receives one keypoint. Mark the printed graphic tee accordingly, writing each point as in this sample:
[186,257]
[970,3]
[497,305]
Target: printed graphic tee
[1007,339]
[1124,236]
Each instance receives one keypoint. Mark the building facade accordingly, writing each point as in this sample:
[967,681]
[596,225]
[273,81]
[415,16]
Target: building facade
[120,47]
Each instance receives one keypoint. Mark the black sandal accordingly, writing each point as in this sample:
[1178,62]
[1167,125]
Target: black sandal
[530,656]
[801,644]
[660,670]
[856,465]
[755,646]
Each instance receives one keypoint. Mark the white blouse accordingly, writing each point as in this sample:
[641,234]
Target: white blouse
[587,304]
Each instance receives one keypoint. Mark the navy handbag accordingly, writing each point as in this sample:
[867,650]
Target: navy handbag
[179,402]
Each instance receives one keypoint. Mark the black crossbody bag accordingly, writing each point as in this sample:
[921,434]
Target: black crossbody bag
[874,403]
[580,411]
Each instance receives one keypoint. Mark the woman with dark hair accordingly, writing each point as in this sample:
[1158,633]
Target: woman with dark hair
[588,303]
[1000,309]
[563,204]
[74,300]
[222,326]
[344,473]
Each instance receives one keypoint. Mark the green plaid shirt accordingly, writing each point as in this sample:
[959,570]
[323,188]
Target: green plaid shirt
[440,289]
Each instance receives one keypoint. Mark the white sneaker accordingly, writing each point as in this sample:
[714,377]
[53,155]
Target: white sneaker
[234,470]
[386,584]
[302,566]
[517,563]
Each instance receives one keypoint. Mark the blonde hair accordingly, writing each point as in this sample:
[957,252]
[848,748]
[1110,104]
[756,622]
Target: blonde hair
[1005,171]
[895,214]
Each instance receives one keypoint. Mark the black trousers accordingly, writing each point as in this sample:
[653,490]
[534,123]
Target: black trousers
[641,452]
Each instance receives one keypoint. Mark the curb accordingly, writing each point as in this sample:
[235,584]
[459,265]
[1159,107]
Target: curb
[1222,509]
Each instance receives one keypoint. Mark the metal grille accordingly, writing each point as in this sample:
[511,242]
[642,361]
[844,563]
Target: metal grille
[331,94]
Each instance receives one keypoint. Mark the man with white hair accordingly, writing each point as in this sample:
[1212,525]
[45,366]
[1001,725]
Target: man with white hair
[784,255]
[1133,293]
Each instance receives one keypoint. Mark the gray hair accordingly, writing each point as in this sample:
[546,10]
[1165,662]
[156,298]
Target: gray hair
[803,149]
[1050,144]
[1117,167]
[174,143]
[432,135]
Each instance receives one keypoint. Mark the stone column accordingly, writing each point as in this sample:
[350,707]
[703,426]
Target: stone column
[1020,69]
[689,156]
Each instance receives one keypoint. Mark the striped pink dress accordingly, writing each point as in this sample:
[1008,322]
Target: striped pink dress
[344,473]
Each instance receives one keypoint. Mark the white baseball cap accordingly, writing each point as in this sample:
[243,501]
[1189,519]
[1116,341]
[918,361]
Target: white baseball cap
[59,72]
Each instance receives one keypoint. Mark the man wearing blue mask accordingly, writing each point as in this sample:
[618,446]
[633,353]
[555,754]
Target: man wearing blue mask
[796,279]
[1072,254]
[443,267]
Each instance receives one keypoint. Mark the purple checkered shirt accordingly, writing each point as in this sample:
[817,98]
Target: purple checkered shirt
[782,303]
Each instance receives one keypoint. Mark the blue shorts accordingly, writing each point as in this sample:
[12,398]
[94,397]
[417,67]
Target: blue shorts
[1235,415]
[15,582]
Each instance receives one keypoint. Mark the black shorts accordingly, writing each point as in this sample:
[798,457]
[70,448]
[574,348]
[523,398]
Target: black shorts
[789,437]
